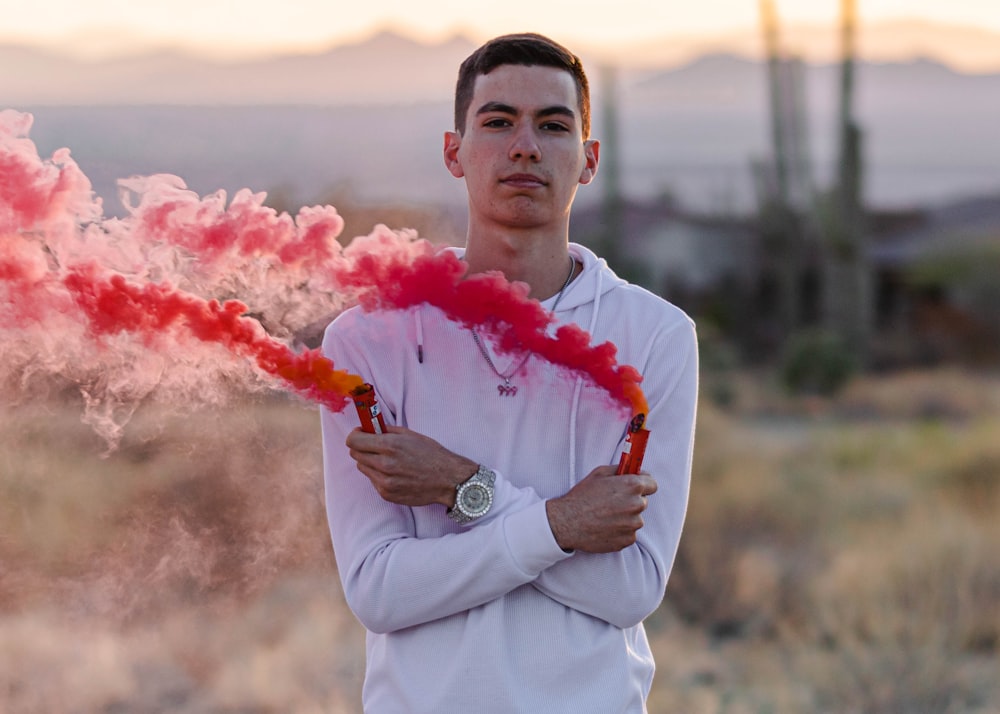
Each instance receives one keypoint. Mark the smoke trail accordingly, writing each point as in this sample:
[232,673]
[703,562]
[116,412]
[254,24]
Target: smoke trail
[271,261]
[113,305]
[385,279]
[153,305]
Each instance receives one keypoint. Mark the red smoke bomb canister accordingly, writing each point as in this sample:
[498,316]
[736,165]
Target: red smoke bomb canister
[368,409]
[635,446]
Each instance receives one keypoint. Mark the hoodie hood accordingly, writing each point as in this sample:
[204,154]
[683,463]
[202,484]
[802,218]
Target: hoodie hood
[596,279]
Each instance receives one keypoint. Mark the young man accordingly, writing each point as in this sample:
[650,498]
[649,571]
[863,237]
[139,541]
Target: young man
[485,542]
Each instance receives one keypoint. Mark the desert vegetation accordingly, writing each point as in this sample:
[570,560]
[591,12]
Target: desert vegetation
[841,555]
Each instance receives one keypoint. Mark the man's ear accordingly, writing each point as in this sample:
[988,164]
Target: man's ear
[592,157]
[452,141]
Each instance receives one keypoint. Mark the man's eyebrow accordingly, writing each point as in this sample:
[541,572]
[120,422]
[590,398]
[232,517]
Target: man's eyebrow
[498,107]
[501,108]
[557,109]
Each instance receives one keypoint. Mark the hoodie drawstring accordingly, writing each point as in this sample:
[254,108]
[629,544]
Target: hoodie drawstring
[420,336]
[578,389]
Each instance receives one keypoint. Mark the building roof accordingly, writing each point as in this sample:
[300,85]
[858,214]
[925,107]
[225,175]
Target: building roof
[962,225]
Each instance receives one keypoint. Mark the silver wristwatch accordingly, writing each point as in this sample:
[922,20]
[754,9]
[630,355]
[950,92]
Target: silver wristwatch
[474,497]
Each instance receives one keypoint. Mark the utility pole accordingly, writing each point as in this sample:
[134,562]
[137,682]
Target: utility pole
[847,275]
[769,22]
[613,210]
[780,223]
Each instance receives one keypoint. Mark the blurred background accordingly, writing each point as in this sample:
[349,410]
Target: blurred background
[816,183]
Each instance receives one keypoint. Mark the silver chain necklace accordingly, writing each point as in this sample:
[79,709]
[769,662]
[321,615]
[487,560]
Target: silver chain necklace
[506,389]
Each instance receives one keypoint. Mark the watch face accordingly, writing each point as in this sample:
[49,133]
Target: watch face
[475,499]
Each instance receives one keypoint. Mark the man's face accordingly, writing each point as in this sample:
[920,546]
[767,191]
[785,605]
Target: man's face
[522,153]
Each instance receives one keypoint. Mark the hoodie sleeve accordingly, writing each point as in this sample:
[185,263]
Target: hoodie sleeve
[625,587]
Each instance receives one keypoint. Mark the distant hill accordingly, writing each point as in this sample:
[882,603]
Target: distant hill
[385,68]
[963,48]
[389,67]
[367,119]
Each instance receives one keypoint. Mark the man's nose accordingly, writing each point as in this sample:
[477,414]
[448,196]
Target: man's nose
[525,145]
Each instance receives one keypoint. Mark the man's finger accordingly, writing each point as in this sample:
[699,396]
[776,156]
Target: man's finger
[359,440]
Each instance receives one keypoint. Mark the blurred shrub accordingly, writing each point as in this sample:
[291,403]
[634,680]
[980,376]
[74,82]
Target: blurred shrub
[816,362]
[967,273]
[718,362]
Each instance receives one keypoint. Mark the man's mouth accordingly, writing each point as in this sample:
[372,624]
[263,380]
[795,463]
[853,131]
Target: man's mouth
[523,180]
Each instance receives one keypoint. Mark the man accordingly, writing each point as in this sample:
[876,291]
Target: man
[484,541]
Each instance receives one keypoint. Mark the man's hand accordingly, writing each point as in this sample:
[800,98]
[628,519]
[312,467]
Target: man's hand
[602,513]
[409,468]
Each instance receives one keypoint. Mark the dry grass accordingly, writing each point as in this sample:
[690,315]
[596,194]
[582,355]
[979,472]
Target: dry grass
[189,571]
[840,556]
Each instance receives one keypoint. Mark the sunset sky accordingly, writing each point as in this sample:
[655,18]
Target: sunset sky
[102,27]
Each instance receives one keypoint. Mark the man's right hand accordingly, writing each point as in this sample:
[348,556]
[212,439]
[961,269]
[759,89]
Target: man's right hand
[602,513]
[408,468]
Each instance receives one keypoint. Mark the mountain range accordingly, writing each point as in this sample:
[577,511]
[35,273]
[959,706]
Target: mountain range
[392,67]
[367,119]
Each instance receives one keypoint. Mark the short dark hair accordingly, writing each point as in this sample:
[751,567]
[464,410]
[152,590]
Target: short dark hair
[528,49]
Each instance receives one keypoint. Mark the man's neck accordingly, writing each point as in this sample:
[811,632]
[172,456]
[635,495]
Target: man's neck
[541,262]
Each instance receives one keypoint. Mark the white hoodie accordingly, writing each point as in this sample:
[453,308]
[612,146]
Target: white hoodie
[494,616]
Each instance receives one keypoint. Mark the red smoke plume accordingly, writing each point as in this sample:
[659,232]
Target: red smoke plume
[179,266]
[113,305]
[383,278]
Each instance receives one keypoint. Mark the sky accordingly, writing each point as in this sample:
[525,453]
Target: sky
[255,27]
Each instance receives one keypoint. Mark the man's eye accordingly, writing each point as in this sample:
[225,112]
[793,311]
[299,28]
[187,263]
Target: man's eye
[554,126]
[496,123]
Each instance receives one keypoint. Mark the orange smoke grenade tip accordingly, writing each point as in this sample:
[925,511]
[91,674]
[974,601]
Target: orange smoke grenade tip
[368,409]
